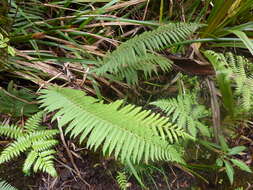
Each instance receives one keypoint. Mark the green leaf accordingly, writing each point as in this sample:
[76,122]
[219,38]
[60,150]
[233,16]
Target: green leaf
[229,171]
[236,150]
[11,51]
[248,43]
[241,165]
[1,37]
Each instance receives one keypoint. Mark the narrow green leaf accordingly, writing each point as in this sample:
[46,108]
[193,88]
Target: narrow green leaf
[241,165]
[236,150]
[11,51]
[229,171]
[1,37]
[248,43]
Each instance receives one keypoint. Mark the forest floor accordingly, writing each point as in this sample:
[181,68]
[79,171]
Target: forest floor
[98,173]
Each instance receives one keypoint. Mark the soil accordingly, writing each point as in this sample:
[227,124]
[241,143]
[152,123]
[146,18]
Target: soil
[99,172]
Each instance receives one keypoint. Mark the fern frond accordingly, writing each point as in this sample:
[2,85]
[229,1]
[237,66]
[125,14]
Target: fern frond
[11,131]
[122,180]
[231,68]
[173,133]
[15,149]
[126,131]
[33,123]
[42,135]
[130,53]
[35,138]
[223,75]
[6,186]
[42,145]
[244,83]
[147,64]
[30,159]
[45,163]
[185,112]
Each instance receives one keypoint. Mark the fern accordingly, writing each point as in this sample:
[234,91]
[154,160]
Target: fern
[33,138]
[185,112]
[137,53]
[230,69]
[122,180]
[146,64]
[6,186]
[11,131]
[128,132]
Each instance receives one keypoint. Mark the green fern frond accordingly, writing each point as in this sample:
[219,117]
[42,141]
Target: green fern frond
[122,180]
[185,112]
[42,135]
[15,149]
[30,159]
[11,131]
[35,139]
[42,145]
[244,83]
[223,75]
[136,51]
[33,123]
[146,64]
[126,131]
[231,69]
[6,186]
[25,142]
[45,163]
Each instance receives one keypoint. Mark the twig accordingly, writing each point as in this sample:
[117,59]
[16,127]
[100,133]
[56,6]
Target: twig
[70,156]
[125,4]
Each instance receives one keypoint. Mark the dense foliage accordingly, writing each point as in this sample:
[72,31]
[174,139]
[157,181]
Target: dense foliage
[145,84]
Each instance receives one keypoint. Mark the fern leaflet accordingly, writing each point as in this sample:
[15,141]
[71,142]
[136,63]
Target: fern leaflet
[6,186]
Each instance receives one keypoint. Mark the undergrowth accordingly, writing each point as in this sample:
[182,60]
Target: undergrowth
[108,73]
